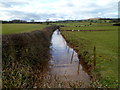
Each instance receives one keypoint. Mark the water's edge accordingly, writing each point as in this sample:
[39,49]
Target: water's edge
[65,62]
[87,67]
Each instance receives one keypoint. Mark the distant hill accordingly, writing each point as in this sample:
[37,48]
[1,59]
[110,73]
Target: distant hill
[103,19]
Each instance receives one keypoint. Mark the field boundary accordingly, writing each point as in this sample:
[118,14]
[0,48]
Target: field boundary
[86,30]
[23,55]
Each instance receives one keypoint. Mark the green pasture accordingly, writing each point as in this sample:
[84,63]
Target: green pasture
[90,28]
[72,24]
[19,28]
[87,26]
[106,43]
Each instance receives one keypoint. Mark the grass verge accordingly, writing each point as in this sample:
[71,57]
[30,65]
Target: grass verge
[106,43]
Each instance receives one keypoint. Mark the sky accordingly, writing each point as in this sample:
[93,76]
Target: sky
[41,10]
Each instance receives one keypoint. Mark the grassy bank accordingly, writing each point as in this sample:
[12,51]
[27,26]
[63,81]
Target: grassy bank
[23,56]
[20,28]
[90,28]
[106,43]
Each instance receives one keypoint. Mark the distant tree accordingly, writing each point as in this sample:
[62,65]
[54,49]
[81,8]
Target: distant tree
[4,22]
[33,20]
[17,21]
[91,20]
[90,23]
[47,21]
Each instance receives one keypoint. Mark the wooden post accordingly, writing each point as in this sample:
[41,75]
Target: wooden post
[94,60]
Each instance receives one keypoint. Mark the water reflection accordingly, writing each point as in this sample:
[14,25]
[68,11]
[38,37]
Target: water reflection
[72,57]
[65,62]
[68,49]
[78,67]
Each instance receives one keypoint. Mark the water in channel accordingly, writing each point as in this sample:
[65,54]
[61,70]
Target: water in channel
[64,62]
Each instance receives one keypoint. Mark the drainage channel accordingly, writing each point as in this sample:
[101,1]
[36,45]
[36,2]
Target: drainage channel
[64,62]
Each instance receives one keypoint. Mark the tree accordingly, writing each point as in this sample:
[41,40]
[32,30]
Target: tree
[32,20]
[47,21]
[90,23]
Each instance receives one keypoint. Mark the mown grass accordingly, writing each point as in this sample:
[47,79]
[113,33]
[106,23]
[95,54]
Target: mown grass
[106,43]
[19,28]
[87,26]
[90,28]
[82,23]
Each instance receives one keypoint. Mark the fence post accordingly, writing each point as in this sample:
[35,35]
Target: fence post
[94,60]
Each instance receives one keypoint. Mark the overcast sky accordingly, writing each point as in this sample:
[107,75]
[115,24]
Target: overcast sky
[41,10]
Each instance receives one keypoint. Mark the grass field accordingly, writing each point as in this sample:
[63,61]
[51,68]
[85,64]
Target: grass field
[87,26]
[90,28]
[18,28]
[82,23]
[106,43]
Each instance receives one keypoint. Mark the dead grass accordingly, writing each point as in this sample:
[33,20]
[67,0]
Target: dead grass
[22,55]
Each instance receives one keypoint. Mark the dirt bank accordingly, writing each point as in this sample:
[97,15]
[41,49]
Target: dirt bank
[22,56]
[81,58]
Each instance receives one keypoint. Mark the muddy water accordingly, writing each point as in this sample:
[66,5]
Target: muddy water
[64,62]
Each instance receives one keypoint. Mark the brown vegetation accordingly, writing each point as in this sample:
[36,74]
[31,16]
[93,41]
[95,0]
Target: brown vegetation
[22,56]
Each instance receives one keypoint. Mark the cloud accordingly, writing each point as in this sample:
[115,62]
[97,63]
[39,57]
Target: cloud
[57,9]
